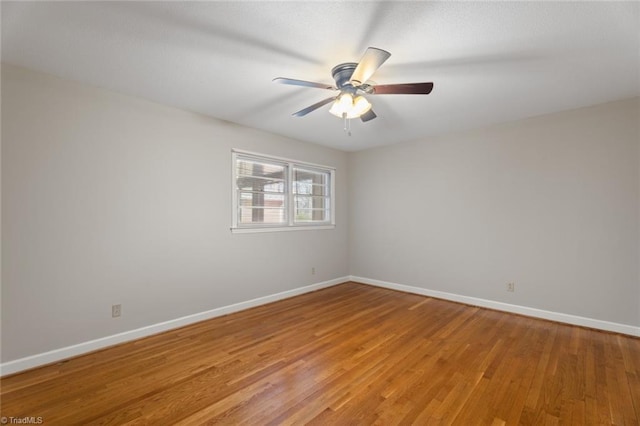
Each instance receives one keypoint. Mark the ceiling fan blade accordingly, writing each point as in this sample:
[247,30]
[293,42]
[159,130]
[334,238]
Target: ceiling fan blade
[304,83]
[368,65]
[403,89]
[314,107]
[367,116]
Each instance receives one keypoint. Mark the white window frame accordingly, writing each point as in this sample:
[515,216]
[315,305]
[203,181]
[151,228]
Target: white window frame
[291,224]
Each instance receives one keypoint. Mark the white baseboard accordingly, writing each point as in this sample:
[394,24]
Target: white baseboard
[55,355]
[506,307]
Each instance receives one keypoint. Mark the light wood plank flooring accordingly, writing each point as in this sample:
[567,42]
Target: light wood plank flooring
[349,354]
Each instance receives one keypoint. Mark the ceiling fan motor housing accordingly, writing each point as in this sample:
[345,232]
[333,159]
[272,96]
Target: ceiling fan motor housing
[342,75]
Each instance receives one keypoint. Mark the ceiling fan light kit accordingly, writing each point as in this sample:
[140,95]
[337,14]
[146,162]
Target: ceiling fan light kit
[352,80]
[346,106]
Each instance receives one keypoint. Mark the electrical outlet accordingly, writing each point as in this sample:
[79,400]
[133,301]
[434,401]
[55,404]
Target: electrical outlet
[313,271]
[116,311]
[511,287]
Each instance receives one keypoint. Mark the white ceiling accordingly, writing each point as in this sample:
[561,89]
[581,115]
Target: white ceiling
[490,62]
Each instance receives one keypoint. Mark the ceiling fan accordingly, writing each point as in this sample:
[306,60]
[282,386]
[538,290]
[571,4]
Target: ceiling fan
[352,80]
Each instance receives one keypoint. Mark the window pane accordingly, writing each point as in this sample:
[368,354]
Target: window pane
[257,199]
[260,169]
[311,215]
[261,215]
[306,187]
[320,178]
[261,189]
[311,195]
[311,202]
[259,184]
[310,182]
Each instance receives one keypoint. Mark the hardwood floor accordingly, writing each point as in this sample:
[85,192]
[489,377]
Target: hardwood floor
[349,354]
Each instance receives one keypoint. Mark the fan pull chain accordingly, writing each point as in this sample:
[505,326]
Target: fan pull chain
[347,124]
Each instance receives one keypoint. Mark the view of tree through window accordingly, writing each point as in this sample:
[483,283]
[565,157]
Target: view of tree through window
[311,192]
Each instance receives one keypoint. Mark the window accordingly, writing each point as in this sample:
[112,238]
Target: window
[272,194]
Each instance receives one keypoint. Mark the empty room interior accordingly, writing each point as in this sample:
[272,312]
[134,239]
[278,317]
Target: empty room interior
[320,213]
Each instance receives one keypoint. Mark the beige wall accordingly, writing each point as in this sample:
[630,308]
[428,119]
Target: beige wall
[551,203]
[110,199]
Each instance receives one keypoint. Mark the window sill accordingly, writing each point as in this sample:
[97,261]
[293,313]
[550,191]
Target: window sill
[280,229]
